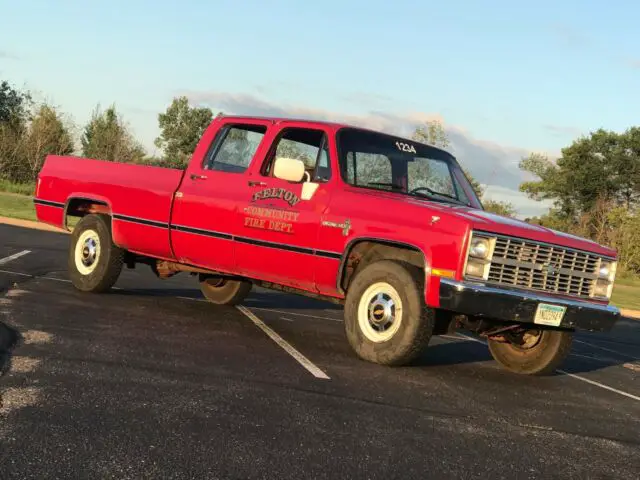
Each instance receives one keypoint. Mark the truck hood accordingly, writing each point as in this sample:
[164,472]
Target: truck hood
[490,222]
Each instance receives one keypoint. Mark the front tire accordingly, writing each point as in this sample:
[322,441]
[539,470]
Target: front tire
[534,352]
[222,291]
[94,261]
[385,317]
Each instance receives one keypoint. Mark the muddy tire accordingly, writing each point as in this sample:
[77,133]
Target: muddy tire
[94,261]
[385,317]
[540,353]
[224,291]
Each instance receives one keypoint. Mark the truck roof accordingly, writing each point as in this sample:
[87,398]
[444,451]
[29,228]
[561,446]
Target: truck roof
[334,125]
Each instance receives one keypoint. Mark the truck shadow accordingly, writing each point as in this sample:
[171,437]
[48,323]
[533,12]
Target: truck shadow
[469,352]
[8,339]
[257,298]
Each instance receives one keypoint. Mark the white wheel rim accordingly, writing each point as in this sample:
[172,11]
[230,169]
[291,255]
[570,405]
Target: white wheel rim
[87,252]
[380,312]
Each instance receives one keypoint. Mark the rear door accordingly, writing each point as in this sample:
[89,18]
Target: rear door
[278,228]
[206,206]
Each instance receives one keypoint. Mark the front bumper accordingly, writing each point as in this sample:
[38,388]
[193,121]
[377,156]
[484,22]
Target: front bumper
[501,303]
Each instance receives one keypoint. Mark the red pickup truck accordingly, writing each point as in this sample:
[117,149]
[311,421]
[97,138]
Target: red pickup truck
[388,227]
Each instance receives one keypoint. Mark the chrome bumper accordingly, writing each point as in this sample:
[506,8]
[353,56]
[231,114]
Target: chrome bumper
[480,300]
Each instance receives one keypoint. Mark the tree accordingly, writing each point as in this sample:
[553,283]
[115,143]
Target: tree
[46,135]
[501,208]
[14,105]
[604,165]
[431,132]
[107,137]
[181,128]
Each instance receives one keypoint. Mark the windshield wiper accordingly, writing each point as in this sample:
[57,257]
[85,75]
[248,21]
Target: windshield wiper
[434,192]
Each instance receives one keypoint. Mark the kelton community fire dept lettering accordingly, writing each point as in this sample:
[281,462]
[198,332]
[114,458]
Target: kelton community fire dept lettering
[270,219]
[287,195]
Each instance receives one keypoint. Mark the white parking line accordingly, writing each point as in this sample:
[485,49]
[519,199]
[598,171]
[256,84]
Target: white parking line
[601,385]
[20,274]
[572,375]
[14,256]
[605,349]
[302,360]
[295,313]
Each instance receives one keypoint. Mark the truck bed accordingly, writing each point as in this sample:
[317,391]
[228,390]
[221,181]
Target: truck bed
[139,197]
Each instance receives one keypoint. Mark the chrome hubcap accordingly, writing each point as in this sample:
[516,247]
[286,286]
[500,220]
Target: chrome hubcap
[89,252]
[382,311]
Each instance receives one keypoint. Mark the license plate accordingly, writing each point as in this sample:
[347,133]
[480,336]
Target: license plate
[549,314]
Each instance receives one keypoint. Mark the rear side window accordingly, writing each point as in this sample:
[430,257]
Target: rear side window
[234,148]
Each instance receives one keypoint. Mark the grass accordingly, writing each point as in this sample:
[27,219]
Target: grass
[19,188]
[17,206]
[626,293]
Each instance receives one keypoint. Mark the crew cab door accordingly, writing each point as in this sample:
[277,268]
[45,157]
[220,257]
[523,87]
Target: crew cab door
[278,224]
[205,207]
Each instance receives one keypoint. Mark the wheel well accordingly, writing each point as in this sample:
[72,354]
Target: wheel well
[365,252]
[79,207]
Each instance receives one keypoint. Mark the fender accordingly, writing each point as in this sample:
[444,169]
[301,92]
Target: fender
[382,241]
[93,198]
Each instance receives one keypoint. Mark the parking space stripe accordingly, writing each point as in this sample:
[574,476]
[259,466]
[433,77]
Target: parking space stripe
[601,385]
[13,257]
[605,349]
[572,375]
[302,360]
[265,309]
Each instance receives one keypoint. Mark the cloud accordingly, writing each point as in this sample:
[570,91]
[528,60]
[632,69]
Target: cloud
[490,163]
[523,205]
[562,130]
[4,55]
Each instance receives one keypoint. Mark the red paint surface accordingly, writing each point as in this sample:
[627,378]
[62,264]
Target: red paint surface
[218,203]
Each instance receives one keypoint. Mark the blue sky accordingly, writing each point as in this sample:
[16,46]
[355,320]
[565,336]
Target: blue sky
[515,78]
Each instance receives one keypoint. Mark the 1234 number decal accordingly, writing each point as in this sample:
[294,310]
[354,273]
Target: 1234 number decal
[405,147]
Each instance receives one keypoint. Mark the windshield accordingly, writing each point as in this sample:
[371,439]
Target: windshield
[385,162]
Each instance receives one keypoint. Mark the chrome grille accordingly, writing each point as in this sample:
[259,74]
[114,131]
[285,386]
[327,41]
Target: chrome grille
[547,268]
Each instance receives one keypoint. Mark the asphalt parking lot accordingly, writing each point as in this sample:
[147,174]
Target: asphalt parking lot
[150,381]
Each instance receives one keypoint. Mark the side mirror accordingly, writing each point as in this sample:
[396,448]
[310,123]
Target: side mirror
[289,169]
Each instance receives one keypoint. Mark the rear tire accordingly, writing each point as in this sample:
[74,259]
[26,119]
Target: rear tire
[94,261]
[542,352]
[222,291]
[385,317]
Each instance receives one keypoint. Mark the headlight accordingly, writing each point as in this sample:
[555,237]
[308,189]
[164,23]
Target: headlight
[479,257]
[480,247]
[607,270]
[604,283]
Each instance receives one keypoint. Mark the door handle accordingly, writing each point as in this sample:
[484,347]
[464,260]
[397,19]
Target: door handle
[195,176]
[256,183]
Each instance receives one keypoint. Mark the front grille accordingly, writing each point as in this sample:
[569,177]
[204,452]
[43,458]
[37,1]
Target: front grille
[547,268]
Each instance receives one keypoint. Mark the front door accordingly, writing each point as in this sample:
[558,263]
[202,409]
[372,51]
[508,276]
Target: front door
[206,207]
[279,228]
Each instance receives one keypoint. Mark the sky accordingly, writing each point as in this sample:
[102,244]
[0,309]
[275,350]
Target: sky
[506,78]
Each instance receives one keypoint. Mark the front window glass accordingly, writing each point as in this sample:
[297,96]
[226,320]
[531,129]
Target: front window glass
[385,162]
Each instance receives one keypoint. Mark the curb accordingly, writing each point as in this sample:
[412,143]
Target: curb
[15,222]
